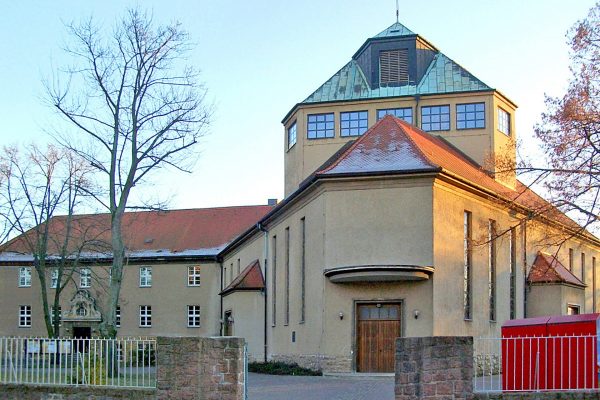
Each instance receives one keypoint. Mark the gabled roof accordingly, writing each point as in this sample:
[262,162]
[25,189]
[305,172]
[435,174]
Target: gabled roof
[251,278]
[547,269]
[176,233]
[395,146]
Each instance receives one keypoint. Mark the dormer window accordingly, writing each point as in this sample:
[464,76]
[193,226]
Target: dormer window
[393,67]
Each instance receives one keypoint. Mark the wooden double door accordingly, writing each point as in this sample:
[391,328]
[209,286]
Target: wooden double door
[377,327]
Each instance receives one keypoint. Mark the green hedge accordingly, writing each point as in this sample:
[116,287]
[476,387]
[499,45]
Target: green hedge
[280,368]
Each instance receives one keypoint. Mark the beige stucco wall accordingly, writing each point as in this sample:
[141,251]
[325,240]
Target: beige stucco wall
[247,311]
[547,300]
[169,297]
[307,155]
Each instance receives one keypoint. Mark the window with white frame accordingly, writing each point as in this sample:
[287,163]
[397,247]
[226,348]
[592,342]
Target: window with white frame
[118,317]
[573,309]
[54,278]
[85,278]
[58,314]
[194,275]
[25,277]
[145,316]
[435,118]
[24,316]
[145,276]
[291,134]
[503,121]
[193,316]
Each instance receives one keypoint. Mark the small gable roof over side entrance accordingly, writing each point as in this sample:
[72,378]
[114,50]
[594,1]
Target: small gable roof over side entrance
[547,269]
[251,278]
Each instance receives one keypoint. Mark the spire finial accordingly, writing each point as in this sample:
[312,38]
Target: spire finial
[397,11]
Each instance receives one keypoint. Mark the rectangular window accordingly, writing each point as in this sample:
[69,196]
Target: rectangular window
[287,276]
[25,277]
[274,285]
[145,316]
[470,116]
[353,123]
[467,273]
[573,309]
[291,135]
[58,314]
[492,268]
[303,270]
[320,126]
[571,260]
[24,316]
[85,278]
[405,114]
[193,316]
[239,266]
[503,121]
[224,277]
[583,267]
[435,118]
[393,67]
[231,273]
[194,275]
[145,276]
[54,278]
[118,317]
[513,272]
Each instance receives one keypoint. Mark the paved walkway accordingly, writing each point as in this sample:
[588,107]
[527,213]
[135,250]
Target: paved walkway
[272,387]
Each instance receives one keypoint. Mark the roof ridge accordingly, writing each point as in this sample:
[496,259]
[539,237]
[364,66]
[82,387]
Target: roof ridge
[351,148]
[401,123]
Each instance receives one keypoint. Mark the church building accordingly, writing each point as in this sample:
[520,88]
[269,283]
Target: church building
[400,218]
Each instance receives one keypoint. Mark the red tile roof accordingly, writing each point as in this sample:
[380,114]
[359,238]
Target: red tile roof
[547,269]
[393,145]
[251,278]
[203,231]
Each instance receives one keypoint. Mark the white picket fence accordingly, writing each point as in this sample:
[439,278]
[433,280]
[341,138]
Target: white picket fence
[121,362]
[536,364]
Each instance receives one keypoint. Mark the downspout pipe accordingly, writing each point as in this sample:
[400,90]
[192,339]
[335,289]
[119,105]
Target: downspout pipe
[221,300]
[261,228]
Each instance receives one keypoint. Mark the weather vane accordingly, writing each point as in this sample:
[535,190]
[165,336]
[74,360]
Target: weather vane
[397,11]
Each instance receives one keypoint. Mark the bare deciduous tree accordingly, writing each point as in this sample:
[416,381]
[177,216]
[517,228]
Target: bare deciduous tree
[40,192]
[138,110]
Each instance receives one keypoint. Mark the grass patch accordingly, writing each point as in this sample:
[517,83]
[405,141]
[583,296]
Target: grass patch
[280,368]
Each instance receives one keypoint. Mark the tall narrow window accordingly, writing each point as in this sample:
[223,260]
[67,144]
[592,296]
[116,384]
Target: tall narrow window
[594,299]
[583,267]
[513,272]
[193,316]
[145,276]
[291,133]
[24,316]
[571,256]
[303,269]
[25,277]
[287,276]
[231,273]
[492,268]
[503,121]
[85,278]
[54,278]
[239,266]
[55,312]
[118,317]
[274,285]
[224,277]
[467,273]
[145,316]
[194,275]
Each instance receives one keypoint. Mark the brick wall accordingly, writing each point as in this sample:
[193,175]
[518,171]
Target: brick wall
[316,362]
[191,368]
[434,368]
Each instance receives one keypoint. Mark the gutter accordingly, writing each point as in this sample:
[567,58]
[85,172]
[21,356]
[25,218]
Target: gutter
[261,228]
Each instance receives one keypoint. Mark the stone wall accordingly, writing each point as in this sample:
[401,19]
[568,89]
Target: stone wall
[434,368]
[316,362]
[190,368]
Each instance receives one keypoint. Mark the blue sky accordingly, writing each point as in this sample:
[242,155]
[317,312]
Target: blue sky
[258,58]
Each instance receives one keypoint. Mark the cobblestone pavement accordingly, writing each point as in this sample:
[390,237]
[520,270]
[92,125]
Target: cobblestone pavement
[271,387]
